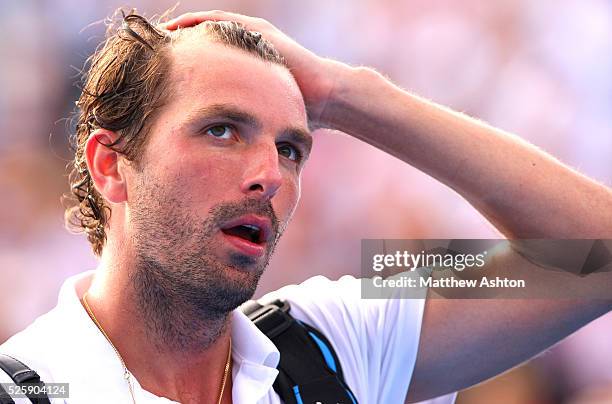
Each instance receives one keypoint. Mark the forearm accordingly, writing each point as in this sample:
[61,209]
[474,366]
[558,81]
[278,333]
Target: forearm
[523,191]
[496,336]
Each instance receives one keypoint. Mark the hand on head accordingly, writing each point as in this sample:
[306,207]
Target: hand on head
[314,75]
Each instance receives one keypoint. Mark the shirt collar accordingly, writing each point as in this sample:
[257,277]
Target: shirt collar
[91,364]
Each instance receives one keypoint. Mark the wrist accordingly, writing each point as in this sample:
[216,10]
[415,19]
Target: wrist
[333,79]
[344,84]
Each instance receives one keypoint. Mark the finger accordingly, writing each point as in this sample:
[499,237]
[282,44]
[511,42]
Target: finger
[184,20]
[191,19]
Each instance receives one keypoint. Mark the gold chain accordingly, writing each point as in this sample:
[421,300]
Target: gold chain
[127,373]
[226,371]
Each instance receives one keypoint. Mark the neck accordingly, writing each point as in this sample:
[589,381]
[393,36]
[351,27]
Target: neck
[173,347]
[175,322]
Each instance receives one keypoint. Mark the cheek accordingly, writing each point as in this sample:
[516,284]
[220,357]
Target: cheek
[287,199]
[203,176]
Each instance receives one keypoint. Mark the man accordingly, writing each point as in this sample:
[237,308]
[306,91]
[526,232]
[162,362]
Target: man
[194,139]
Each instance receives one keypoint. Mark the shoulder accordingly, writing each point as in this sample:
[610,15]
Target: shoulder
[376,340]
[323,302]
[37,346]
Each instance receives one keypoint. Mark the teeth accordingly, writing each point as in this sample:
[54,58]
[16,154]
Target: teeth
[251,226]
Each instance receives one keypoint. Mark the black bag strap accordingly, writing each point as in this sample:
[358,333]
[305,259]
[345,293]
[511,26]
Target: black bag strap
[5,398]
[309,369]
[22,376]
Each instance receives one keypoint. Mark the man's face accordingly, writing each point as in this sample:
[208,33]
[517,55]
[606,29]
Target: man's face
[220,177]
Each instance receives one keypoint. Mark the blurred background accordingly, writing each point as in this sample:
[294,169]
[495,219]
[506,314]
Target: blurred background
[541,69]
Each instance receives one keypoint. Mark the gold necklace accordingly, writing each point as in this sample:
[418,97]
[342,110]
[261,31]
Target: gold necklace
[226,371]
[127,373]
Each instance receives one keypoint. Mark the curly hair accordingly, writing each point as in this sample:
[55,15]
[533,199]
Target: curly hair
[124,85]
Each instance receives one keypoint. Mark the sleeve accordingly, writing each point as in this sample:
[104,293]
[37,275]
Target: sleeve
[376,340]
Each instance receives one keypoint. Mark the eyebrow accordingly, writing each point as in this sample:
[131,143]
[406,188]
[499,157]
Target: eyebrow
[234,114]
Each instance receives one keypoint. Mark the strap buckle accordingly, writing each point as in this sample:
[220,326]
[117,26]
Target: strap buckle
[272,319]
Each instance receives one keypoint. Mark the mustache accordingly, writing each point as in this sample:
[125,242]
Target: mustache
[226,211]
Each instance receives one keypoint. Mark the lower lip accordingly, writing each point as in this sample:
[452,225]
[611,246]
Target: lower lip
[248,248]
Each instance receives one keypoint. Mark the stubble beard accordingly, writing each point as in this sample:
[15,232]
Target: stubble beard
[183,291]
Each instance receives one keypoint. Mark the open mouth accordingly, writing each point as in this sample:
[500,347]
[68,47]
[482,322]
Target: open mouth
[248,232]
[253,228]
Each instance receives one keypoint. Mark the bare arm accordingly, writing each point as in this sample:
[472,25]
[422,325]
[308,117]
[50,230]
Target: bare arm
[523,191]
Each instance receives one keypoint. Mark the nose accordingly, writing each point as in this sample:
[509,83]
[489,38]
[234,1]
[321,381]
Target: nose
[262,177]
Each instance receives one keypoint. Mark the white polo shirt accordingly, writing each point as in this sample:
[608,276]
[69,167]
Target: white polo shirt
[376,342]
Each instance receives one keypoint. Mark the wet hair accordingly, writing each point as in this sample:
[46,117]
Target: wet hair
[124,84]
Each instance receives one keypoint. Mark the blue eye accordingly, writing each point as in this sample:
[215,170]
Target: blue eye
[288,151]
[220,131]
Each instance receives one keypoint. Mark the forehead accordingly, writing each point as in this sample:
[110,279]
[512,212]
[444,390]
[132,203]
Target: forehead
[204,73]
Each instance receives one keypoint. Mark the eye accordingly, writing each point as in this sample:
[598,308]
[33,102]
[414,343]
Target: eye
[289,151]
[220,131]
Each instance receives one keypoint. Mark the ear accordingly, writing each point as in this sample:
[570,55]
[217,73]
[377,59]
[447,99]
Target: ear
[104,168]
